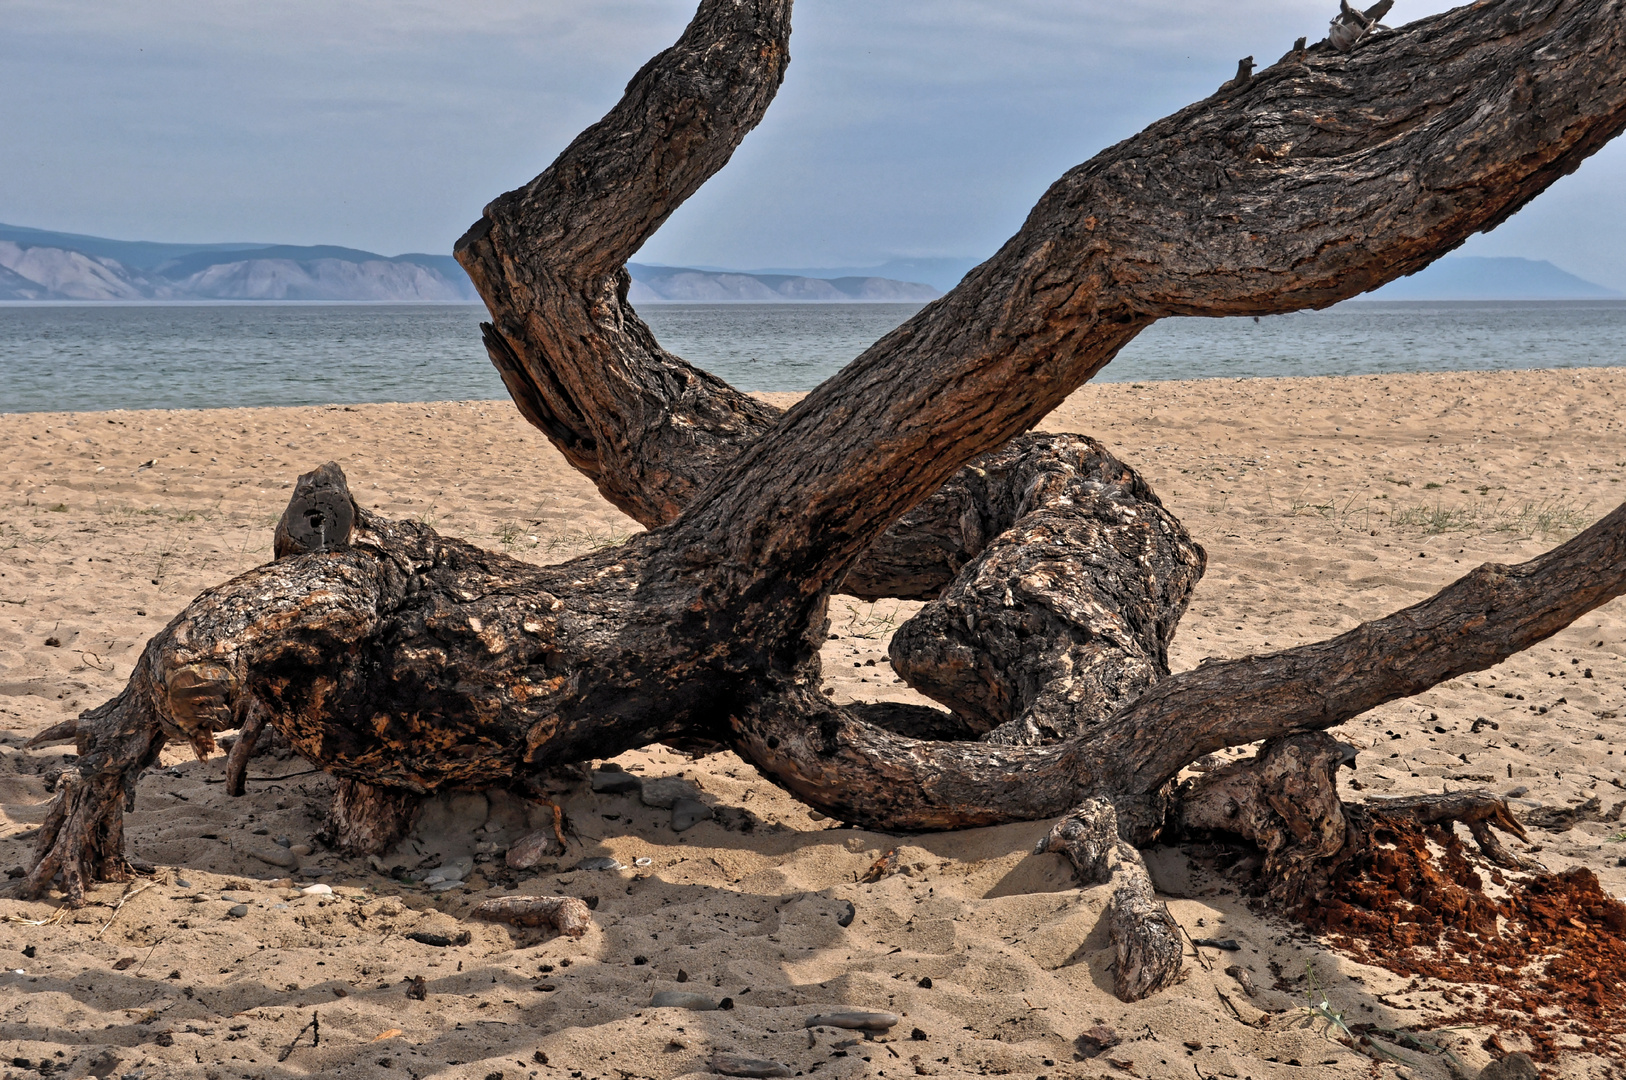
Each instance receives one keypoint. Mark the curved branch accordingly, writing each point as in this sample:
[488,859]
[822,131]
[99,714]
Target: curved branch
[828,757]
[1320,180]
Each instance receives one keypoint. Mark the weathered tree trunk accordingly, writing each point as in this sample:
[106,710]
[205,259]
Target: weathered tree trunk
[405,661]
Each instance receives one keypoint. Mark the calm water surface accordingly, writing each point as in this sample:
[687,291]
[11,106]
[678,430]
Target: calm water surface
[101,356]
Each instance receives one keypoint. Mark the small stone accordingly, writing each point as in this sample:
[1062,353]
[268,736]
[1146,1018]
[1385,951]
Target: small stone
[687,813]
[283,841]
[103,1065]
[847,913]
[274,856]
[301,850]
[446,886]
[683,999]
[317,890]
[1096,1040]
[1516,1066]
[664,791]
[531,849]
[182,883]
[607,782]
[925,982]
[854,1020]
[377,864]
[598,862]
[238,912]
[740,1065]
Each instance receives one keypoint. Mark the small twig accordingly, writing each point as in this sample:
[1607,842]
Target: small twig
[129,894]
[19,603]
[314,1027]
[144,959]
[1201,959]
[284,776]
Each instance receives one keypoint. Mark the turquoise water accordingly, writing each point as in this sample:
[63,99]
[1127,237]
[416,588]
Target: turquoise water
[103,356]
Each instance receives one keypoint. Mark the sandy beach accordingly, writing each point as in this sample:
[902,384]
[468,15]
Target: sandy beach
[1322,502]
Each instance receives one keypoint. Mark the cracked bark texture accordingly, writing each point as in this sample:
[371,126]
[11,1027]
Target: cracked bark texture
[406,661]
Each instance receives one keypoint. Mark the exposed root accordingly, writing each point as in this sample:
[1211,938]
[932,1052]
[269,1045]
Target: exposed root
[82,837]
[566,914]
[368,820]
[65,732]
[1144,933]
[243,749]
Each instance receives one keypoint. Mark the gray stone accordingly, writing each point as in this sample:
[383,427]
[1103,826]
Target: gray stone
[532,848]
[683,999]
[854,1020]
[615,783]
[740,1065]
[449,870]
[687,813]
[446,886]
[664,791]
[275,856]
[238,912]
[1516,1066]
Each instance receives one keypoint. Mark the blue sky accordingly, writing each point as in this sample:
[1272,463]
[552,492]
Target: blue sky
[905,128]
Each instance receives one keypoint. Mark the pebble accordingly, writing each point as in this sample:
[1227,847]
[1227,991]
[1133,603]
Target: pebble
[283,841]
[683,999]
[606,782]
[275,856]
[663,791]
[446,886]
[531,849]
[687,813]
[183,883]
[301,850]
[451,870]
[854,1020]
[317,890]
[740,1065]
[847,915]
[598,862]
[238,912]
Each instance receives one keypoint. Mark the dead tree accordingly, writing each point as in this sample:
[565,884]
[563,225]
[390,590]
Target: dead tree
[406,662]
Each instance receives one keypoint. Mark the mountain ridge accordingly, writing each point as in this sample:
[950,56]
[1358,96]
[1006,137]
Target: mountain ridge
[41,264]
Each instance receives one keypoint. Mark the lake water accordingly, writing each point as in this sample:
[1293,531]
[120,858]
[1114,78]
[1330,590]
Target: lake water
[102,356]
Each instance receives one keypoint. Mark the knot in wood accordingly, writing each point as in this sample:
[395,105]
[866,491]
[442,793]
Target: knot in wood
[320,517]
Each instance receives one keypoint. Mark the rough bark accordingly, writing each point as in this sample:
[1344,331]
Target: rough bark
[405,661]
[1285,801]
[1144,933]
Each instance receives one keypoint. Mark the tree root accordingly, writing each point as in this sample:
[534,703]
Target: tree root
[1285,801]
[367,820]
[1147,939]
[566,914]
[82,837]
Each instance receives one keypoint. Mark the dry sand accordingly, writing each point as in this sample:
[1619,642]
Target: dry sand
[1322,502]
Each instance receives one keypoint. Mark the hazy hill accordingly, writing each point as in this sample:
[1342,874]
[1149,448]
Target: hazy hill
[40,265]
[680,284]
[1474,277]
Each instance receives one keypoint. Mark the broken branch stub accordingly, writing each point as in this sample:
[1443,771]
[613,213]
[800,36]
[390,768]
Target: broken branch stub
[1145,937]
